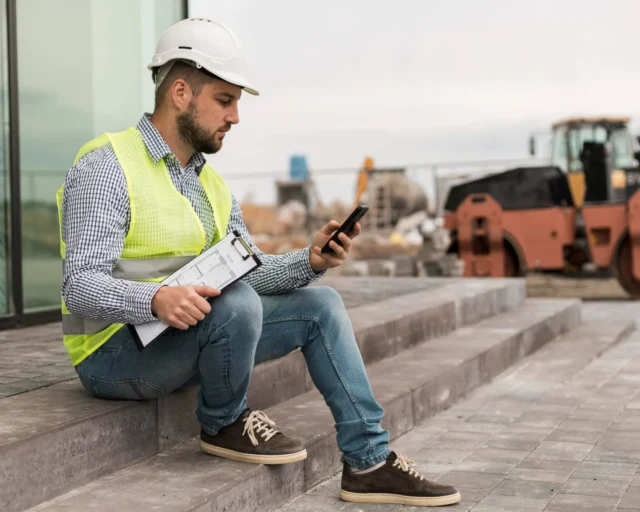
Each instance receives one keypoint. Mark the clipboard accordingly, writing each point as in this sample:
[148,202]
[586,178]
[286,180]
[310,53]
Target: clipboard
[221,265]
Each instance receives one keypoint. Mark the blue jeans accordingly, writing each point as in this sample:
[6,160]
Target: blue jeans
[219,353]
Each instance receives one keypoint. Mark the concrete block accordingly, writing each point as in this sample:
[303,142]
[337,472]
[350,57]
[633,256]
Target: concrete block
[177,421]
[185,476]
[62,458]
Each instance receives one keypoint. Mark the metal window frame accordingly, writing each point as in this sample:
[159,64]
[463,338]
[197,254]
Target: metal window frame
[17,316]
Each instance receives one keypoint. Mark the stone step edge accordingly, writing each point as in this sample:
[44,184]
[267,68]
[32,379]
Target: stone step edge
[169,421]
[268,487]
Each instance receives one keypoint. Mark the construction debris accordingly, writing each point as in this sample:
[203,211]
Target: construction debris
[399,237]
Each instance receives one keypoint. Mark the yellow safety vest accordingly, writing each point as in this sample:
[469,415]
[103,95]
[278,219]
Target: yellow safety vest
[164,234]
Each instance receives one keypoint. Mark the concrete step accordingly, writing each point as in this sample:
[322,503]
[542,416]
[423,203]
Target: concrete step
[487,443]
[411,386]
[58,438]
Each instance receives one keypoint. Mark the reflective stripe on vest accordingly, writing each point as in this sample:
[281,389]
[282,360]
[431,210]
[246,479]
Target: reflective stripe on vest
[72,324]
[164,234]
[132,270]
[149,269]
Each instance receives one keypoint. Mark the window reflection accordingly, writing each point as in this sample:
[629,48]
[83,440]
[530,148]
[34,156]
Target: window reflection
[89,77]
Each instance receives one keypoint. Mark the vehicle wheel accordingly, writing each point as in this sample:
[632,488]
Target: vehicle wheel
[511,266]
[624,269]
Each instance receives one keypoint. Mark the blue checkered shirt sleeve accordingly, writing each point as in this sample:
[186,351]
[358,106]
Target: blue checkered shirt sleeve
[279,273]
[95,221]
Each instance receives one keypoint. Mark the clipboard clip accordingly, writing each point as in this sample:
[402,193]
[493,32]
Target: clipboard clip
[244,249]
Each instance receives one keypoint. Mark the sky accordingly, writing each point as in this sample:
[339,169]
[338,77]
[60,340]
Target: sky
[416,81]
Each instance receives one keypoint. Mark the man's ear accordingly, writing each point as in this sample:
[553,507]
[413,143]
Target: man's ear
[181,94]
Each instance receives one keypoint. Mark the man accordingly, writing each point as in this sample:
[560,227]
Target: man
[135,206]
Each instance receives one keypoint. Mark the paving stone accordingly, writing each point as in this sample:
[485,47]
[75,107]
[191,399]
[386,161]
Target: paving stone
[553,471]
[574,436]
[590,469]
[10,391]
[483,466]
[497,455]
[25,374]
[434,468]
[468,426]
[586,425]
[636,481]
[575,503]
[477,437]
[619,438]
[630,424]
[472,486]
[526,488]
[510,443]
[631,499]
[593,414]
[553,450]
[498,503]
[441,456]
[538,433]
[500,419]
[600,454]
[548,419]
[610,486]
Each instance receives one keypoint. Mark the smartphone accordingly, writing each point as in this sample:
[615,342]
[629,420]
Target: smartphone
[347,227]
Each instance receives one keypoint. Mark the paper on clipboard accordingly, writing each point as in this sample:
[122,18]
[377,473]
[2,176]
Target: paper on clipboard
[226,262]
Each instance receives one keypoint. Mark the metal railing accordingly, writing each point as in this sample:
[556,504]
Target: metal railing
[40,186]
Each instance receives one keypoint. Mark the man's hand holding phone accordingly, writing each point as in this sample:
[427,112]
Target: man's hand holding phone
[325,251]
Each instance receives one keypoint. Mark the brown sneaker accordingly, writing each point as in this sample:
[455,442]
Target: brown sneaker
[252,438]
[395,482]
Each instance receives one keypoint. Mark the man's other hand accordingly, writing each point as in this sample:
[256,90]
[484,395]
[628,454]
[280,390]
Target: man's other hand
[182,306]
[320,261]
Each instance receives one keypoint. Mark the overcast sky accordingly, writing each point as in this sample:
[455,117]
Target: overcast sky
[421,80]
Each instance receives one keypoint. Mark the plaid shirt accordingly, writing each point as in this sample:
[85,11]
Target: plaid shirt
[95,220]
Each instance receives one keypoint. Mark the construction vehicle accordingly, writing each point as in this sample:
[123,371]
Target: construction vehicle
[390,194]
[579,214]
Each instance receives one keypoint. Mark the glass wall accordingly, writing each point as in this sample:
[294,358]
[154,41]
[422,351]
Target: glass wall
[81,72]
[5,288]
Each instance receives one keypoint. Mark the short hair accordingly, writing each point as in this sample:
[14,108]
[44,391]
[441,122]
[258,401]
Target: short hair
[195,77]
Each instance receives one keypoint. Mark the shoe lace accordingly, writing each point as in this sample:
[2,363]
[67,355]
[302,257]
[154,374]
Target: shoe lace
[259,423]
[405,464]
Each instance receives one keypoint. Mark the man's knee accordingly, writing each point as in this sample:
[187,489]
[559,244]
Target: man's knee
[238,310]
[324,302]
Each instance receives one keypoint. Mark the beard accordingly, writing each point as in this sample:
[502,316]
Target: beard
[198,137]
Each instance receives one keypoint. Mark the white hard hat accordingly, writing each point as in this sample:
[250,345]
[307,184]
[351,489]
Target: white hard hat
[206,43]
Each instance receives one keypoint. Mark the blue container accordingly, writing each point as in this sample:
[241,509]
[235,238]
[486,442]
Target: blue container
[298,169]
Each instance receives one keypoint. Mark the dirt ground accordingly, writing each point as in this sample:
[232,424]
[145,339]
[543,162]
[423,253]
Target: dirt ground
[542,285]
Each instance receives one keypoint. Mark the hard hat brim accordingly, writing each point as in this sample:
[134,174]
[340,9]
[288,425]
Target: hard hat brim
[232,78]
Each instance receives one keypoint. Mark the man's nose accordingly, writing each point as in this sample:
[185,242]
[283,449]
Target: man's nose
[233,116]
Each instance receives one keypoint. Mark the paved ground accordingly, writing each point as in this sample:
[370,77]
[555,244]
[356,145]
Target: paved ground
[549,285]
[35,357]
[549,435]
